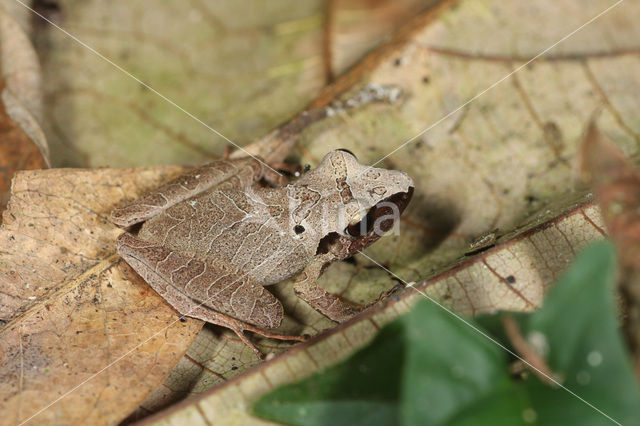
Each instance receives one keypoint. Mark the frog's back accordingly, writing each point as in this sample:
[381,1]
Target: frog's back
[228,226]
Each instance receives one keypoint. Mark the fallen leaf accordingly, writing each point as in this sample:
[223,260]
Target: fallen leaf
[504,158]
[240,68]
[491,164]
[617,185]
[22,143]
[70,307]
[355,27]
[537,255]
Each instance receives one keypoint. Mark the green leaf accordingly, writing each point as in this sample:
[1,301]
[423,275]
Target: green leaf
[578,324]
[450,366]
[429,367]
[363,390]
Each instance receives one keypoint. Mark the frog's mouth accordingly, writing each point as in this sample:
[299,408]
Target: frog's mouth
[379,219]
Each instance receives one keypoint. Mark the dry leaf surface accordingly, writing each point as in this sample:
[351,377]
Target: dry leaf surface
[70,307]
[475,286]
[22,143]
[499,161]
[240,67]
[491,164]
[355,27]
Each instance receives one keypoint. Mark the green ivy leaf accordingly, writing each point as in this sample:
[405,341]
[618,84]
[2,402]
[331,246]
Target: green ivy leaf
[578,325]
[426,366]
[365,389]
[449,367]
[429,367]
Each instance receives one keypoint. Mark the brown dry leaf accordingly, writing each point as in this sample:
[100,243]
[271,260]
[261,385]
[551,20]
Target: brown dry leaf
[355,27]
[22,143]
[241,67]
[70,307]
[617,185]
[479,285]
[507,156]
[491,164]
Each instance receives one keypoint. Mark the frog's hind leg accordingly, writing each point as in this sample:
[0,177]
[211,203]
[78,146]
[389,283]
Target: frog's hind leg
[199,311]
[199,290]
[239,172]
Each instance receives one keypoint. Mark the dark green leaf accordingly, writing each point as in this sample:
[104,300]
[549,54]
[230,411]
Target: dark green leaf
[450,366]
[363,390]
[430,360]
[578,326]
[429,367]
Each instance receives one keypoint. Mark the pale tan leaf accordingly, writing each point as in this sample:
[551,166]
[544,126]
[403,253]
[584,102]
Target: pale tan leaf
[355,27]
[70,307]
[532,260]
[506,157]
[240,67]
[22,143]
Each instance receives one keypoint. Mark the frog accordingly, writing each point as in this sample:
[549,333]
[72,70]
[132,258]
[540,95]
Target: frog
[211,240]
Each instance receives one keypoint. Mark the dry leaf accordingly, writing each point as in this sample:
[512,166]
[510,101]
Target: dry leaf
[492,164]
[355,27]
[22,143]
[489,165]
[241,67]
[476,286]
[71,307]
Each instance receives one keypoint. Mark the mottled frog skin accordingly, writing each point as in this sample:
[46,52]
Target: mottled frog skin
[213,238]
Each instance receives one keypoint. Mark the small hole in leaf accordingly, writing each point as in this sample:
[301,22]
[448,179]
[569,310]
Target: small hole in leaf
[298,229]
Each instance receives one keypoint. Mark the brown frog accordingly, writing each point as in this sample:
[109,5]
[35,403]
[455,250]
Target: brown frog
[215,236]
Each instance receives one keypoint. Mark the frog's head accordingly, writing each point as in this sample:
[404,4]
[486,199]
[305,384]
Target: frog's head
[344,200]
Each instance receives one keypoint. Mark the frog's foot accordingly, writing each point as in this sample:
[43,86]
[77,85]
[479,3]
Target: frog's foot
[239,327]
[328,304]
[226,154]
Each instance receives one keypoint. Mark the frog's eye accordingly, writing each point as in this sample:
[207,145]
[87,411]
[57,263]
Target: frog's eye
[346,150]
[360,224]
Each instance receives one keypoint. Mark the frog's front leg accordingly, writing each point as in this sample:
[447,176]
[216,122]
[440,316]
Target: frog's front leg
[200,290]
[239,173]
[318,298]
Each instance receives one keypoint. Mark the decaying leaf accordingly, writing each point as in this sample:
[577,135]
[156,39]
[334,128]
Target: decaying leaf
[617,185]
[354,27]
[70,307]
[22,143]
[491,164]
[507,156]
[535,256]
[242,68]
